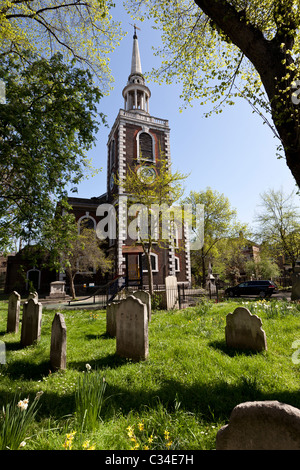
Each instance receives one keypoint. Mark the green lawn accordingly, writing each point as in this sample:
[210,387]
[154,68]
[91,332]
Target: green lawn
[177,399]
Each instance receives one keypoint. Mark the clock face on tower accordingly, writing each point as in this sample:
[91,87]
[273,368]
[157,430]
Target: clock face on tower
[147,174]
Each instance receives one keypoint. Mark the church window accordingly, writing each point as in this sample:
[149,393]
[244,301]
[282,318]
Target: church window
[154,262]
[86,222]
[145,146]
[112,153]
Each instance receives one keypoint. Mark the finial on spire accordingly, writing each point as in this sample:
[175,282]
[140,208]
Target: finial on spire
[135,28]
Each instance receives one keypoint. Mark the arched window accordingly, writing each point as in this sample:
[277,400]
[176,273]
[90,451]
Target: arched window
[145,146]
[86,221]
[154,263]
[177,264]
[112,150]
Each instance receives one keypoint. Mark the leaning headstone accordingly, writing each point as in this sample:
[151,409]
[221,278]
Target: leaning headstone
[111,318]
[31,322]
[13,316]
[58,349]
[145,297]
[244,331]
[132,329]
[261,425]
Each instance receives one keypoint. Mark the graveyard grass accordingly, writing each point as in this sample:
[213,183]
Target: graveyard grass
[177,399]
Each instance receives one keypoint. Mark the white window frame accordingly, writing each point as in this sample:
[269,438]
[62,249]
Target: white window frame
[156,262]
[140,158]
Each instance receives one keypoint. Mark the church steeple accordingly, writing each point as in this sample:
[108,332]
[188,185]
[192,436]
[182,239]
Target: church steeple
[136,94]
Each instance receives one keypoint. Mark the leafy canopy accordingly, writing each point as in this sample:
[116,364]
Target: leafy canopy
[46,127]
[79,29]
[208,64]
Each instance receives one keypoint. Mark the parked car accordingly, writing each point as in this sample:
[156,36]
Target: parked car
[260,288]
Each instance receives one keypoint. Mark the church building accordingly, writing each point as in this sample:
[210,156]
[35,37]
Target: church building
[137,140]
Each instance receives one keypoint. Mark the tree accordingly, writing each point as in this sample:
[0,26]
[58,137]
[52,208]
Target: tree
[79,29]
[263,269]
[230,257]
[279,224]
[237,48]
[46,127]
[70,251]
[219,223]
[151,199]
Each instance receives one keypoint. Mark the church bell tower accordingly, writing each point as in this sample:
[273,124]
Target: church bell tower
[138,140]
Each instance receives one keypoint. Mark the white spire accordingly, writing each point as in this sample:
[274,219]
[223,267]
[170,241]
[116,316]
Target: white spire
[136,66]
[136,94]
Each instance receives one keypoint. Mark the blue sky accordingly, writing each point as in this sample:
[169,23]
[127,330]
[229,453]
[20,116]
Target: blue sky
[233,152]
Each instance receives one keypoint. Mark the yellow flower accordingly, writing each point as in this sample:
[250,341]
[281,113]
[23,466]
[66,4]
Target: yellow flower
[141,426]
[168,444]
[86,444]
[145,448]
[167,435]
[150,439]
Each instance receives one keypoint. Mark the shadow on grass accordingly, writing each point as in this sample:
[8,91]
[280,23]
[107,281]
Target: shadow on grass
[111,361]
[231,352]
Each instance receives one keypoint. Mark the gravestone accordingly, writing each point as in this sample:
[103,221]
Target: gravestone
[13,316]
[58,349]
[244,331]
[261,425]
[57,291]
[111,318]
[295,295]
[171,294]
[31,322]
[2,352]
[145,297]
[132,329]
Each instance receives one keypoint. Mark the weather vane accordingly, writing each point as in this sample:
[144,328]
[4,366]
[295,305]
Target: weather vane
[135,28]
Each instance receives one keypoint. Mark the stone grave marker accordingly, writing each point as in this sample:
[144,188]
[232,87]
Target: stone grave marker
[261,425]
[171,301]
[145,297]
[244,331]
[31,322]
[132,329]
[58,349]
[13,316]
[111,318]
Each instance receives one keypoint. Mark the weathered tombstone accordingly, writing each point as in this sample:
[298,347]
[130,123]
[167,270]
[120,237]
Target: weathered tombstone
[171,298]
[111,318]
[145,297]
[58,349]
[132,329]
[2,352]
[244,331]
[13,316]
[57,291]
[31,322]
[261,425]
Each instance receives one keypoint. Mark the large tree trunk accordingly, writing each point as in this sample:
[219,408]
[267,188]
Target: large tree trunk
[268,58]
